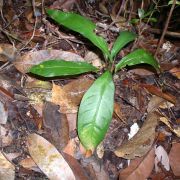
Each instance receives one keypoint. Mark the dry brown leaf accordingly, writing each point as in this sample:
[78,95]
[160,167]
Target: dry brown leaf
[174,159]
[72,119]
[175,72]
[25,62]
[28,163]
[48,159]
[119,21]
[57,123]
[175,130]
[71,147]
[62,4]
[139,168]
[118,112]
[59,97]
[7,52]
[141,71]
[103,8]
[6,137]
[93,59]
[158,92]
[154,103]
[79,172]
[96,170]
[140,144]
[70,95]
[7,170]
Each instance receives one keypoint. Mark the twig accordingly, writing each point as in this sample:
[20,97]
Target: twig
[168,33]
[165,28]
[34,29]
[106,27]
[11,35]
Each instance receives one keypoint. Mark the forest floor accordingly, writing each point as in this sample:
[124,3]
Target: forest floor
[38,116]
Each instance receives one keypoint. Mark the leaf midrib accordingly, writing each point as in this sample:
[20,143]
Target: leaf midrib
[97,109]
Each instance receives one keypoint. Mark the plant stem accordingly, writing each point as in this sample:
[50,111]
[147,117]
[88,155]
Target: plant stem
[165,28]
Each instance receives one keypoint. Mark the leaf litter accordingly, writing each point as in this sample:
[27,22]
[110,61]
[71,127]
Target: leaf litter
[56,123]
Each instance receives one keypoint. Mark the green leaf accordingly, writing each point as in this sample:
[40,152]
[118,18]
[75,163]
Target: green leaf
[95,112]
[54,68]
[150,19]
[124,38]
[81,25]
[141,13]
[134,21]
[171,2]
[139,56]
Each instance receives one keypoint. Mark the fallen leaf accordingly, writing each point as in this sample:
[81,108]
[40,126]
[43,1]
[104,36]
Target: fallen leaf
[139,168]
[48,159]
[78,171]
[28,163]
[12,156]
[25,62]
[57,123]
[61,4]
[161,156]
[175,130]
[140,144]
[158,92]
[118,112]
[154,103]
[158,176]
[71,147]
[174,159]
[5,136]
[103,8]
[72,118]
[141,71]
[7,170]
[96,170]
[94,59]
[35,83]
[7,52]
[120,21]
[175,72]
[70,95]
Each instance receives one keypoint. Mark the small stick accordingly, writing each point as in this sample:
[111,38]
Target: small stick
[165,28]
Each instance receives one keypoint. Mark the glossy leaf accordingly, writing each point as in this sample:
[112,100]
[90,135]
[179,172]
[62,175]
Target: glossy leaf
[81,25]
[139,56]
[54,68]
[124,38]
[141,13]
[95,111]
